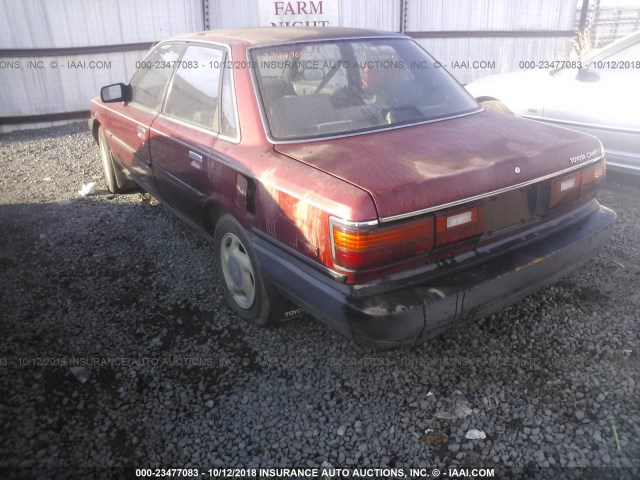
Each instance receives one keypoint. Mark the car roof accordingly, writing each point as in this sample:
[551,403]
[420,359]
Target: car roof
[275,35]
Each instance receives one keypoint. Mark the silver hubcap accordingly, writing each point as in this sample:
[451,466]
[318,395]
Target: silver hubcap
[237,270]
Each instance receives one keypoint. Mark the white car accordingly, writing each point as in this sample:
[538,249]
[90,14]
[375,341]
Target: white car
[601,98]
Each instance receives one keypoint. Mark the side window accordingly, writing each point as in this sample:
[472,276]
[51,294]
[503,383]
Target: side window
[194,93]
[228,120]
[149,82]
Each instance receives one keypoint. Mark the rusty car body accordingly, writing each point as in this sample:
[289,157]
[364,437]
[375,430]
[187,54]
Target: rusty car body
[337,171]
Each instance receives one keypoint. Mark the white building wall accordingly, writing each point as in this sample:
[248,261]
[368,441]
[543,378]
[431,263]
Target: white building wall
[44,84]
[451,15]
[82,23]
[492,55]
[46,24]
[373,14]
[497,54]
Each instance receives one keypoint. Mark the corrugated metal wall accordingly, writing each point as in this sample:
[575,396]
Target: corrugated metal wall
[443,15]
[465,27]
[81,23]
[50,81]
[468,59]
[502,53]
[609,20]
[500,33]
[375,14]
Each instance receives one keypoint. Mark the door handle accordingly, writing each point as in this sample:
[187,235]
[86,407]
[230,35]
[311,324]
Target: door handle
[142,132]
[195,156]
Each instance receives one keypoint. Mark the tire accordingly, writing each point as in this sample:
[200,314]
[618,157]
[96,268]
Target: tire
[114,177]
[496,106]
[247,292]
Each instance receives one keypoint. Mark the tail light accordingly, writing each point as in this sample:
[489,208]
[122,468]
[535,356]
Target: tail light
[592,178]
[564,189]
[357,248]
[460,224]
[570,187]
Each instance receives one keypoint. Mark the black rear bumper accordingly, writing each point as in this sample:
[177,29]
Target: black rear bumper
[407,309]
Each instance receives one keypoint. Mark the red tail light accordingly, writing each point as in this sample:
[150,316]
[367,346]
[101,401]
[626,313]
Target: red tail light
[570,187]
[460,224]
[356,248]
[564,189]
[592,178]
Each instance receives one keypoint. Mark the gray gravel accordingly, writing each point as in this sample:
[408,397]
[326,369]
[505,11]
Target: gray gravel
[115,279]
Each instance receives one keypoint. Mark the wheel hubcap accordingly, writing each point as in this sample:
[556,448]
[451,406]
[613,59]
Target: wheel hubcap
[237,270]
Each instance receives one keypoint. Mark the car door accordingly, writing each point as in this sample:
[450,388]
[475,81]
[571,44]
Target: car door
[602,101]
[186,132]
[129,127]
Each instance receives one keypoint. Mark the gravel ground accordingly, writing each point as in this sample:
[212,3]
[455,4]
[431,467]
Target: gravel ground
[118,279]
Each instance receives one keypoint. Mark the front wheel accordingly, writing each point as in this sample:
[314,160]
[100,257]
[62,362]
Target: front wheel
[245,288]
[115,178]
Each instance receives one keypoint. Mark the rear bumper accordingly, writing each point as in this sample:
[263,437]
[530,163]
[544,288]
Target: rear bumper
[404,311]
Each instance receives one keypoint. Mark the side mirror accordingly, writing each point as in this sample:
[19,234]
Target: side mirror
[118,92]
[586,75]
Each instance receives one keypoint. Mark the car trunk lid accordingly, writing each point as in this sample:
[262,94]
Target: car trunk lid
[420,167]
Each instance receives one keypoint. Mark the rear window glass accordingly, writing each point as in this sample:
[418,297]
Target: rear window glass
[338,87]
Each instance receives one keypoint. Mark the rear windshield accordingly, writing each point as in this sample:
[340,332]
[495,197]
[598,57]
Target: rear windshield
[331,88]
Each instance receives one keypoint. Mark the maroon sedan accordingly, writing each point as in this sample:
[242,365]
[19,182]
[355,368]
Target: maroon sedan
[342,172]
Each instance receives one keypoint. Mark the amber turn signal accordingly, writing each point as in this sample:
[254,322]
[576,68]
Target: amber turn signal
[359,248]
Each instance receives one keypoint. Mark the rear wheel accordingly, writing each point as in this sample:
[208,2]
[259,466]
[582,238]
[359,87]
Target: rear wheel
[247,293]
[115,178]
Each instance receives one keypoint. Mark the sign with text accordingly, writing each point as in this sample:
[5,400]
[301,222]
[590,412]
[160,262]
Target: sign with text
[307,13]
